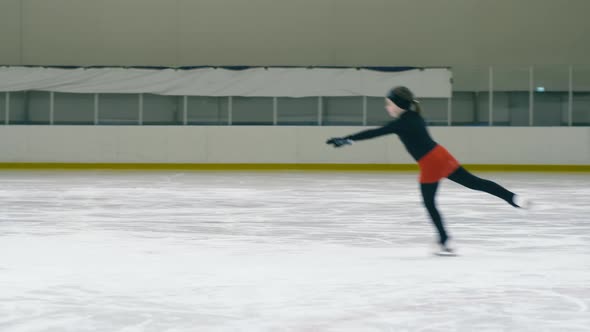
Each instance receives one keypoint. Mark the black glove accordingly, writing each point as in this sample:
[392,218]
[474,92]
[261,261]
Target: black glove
[338,141]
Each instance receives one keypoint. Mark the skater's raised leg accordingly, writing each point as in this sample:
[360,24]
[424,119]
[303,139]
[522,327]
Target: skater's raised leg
[463,177]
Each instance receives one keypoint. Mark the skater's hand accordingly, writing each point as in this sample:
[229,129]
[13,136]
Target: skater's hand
[338,141]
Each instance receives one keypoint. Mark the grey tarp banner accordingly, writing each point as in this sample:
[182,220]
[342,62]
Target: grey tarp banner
[254,82]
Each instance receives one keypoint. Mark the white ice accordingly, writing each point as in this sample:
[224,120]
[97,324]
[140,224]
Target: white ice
[288,251]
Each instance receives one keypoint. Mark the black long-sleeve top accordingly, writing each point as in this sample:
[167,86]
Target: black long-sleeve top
[411,129]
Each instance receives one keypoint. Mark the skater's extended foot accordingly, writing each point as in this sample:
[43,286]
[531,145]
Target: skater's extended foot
[522,202]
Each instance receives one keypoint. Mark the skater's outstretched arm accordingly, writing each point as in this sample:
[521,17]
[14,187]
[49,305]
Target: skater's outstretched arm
[390,128]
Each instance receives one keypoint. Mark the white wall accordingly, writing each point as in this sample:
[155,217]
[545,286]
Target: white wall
[128,144]
[286,32]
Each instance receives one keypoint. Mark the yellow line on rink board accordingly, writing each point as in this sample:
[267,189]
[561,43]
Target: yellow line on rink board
[285,167]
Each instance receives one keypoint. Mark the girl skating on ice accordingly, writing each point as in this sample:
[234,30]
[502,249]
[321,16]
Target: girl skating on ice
[434,161]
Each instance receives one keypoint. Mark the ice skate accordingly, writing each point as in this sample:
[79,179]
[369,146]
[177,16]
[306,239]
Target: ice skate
[445,249]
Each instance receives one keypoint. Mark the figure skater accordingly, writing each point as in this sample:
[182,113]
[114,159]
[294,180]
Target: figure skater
[434,161]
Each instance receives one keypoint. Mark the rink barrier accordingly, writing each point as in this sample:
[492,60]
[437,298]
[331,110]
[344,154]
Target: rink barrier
[286,167]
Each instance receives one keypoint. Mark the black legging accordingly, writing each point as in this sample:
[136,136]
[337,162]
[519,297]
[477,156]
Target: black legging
[462,177]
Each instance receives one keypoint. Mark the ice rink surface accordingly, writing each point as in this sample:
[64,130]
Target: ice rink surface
[287,251]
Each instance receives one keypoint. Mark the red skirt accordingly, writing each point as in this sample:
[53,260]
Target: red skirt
[437,164]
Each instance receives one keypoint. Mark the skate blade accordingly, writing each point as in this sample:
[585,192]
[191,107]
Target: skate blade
[445,254]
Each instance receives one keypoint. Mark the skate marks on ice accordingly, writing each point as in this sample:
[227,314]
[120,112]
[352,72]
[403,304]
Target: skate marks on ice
[125,251]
